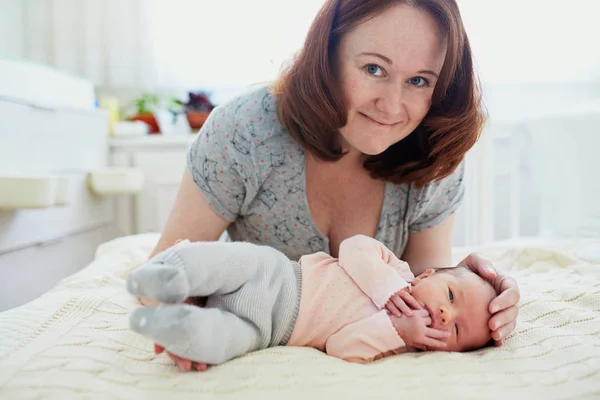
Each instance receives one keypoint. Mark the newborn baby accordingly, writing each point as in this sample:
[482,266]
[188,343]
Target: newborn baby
[456,300]
[364,306]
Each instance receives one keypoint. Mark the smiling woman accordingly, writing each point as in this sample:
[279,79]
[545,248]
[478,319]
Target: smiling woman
[388,65]
[364,134]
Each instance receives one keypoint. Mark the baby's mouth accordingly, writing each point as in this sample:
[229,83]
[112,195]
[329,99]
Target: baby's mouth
[430,315]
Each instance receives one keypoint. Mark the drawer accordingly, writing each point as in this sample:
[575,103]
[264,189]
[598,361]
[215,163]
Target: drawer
[39,139]
[22,228]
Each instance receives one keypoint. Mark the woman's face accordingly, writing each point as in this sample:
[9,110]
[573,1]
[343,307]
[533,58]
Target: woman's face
[388,67]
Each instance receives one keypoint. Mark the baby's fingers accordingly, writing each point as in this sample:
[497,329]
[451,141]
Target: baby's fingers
[409,300]
[423,314]
[401,305]
[393,309]
[436,333]
[432,343]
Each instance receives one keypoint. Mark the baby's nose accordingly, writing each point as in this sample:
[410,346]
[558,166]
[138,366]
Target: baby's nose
[446,315]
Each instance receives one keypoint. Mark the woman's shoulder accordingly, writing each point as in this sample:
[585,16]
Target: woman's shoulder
[248,118]
[453,180]
[255,104]
[245,133]
[430,204]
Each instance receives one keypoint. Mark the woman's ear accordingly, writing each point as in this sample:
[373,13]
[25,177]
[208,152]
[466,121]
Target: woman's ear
[426,274]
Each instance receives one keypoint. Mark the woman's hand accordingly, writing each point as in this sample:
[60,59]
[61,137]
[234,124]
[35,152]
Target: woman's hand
[182,363]
[503,308]
[402,303]
[147,302]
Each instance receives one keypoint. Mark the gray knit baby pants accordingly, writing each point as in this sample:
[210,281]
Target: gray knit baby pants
[253,295]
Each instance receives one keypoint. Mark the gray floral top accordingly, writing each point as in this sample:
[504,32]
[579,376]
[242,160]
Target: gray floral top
[251,171]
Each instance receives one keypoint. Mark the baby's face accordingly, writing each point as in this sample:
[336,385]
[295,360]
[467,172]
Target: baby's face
[458,303]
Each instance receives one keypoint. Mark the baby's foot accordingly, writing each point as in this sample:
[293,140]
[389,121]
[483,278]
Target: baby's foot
[161,282]
[173,327]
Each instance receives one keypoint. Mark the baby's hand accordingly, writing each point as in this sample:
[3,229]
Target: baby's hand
[415,331]
[402,302]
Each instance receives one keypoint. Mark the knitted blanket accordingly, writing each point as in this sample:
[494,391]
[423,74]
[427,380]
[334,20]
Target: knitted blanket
[74,342]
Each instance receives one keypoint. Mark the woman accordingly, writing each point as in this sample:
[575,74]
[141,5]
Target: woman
[364,134]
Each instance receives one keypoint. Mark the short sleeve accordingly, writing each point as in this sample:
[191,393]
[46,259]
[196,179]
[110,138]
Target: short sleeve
[436,201]
[220,162]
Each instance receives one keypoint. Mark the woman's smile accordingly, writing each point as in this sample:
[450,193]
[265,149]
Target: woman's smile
[378,123]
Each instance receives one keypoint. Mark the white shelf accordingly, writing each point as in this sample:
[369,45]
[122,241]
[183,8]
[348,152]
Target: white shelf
[25,192]
[116,181]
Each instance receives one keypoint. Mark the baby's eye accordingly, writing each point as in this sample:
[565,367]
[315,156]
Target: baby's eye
[450,295]
[456,329]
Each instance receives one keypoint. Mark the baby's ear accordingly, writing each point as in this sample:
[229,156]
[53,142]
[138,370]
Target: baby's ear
[426,274]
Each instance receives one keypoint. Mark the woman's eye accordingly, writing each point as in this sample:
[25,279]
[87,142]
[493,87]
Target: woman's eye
[450,295]
[419,81]
[373,69]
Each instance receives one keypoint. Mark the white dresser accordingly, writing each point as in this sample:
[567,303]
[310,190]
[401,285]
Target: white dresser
[49,126]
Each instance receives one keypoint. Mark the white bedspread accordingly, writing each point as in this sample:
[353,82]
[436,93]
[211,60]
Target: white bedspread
[74,342]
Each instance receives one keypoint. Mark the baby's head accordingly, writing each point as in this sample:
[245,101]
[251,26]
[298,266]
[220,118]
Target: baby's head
[458,300]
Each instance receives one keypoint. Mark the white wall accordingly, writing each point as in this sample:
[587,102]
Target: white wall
[11,26]
[524,41]
[513,102]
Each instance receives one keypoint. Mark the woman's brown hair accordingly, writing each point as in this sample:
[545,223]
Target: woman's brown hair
[312,107]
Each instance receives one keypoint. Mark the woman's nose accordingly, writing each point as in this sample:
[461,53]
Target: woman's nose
[446,315]
[391,101]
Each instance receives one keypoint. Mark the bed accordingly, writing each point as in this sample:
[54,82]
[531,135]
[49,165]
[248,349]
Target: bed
[74,342]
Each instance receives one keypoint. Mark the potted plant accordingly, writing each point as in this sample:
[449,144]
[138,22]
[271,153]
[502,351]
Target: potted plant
[144,111]
[148,103]
[197,108]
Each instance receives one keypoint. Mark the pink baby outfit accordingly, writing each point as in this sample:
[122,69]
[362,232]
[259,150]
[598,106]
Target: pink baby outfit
[342,306]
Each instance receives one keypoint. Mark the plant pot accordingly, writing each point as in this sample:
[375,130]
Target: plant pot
[149,120]
[196,119]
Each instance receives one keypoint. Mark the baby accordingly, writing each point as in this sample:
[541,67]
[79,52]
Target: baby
[360,307]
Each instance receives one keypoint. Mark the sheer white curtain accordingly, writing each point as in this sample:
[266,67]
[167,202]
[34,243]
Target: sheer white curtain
[105,41]
[165,43]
